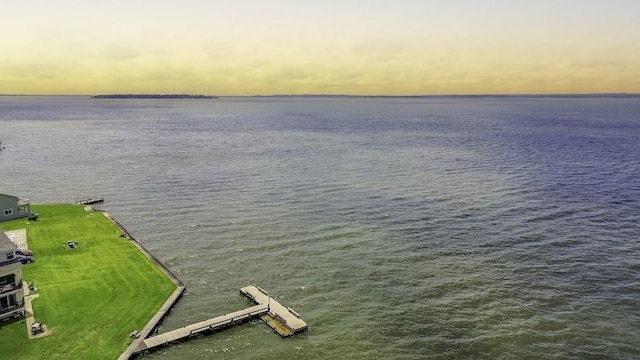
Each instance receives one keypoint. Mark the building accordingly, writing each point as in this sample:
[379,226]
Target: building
[13,207]
[11,291]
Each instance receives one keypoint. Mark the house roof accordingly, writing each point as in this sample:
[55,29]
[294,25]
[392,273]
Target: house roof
[7,196]
[5,242]
[20,200]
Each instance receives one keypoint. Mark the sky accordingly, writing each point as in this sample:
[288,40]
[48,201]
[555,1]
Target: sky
[374,47]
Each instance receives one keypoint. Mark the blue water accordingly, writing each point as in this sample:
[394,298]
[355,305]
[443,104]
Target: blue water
[425,228]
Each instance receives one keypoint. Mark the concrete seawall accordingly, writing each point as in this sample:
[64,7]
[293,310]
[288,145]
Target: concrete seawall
[165,309]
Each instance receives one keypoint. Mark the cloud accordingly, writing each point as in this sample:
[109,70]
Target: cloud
[120,53]
[35,69]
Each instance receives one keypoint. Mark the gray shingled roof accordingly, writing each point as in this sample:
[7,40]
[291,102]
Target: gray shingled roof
[5,242]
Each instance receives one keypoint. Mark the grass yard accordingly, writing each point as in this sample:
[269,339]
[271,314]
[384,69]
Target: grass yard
[91,297]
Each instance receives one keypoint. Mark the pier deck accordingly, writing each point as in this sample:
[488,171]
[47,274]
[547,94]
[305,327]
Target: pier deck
[283,320]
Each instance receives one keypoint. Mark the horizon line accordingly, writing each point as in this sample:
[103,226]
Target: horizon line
[319,95]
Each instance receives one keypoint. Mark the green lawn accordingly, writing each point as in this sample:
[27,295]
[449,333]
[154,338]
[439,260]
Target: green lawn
[91,297]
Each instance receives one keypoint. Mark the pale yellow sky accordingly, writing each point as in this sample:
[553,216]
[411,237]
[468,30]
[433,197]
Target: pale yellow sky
[330,47]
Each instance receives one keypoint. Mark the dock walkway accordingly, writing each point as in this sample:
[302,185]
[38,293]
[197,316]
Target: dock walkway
[210,325]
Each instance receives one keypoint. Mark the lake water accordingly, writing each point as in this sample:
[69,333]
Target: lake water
[399,228]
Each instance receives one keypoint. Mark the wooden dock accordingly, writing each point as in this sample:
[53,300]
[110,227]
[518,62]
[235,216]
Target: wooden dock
[211,325]
[283,320]
[90,200]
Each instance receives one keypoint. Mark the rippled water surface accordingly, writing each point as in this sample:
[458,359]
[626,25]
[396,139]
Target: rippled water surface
[437,228]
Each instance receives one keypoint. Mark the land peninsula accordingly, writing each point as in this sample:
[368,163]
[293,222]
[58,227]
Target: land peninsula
[153,96]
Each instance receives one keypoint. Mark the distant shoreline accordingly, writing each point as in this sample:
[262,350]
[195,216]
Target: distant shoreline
[153,96]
